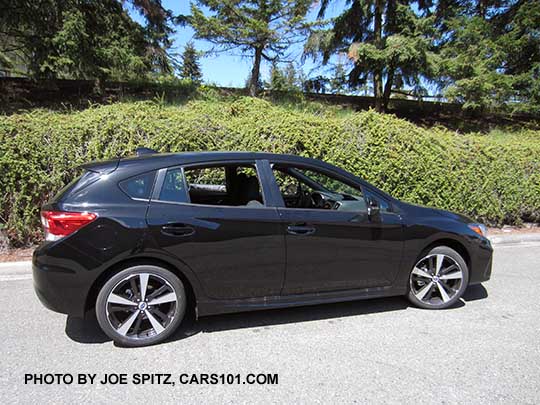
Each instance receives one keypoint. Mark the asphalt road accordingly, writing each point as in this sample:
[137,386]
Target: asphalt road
[486,350]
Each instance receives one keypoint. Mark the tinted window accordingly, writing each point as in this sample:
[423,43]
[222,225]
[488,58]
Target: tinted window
[288,185]
[330,183]
[230,185]
[306,188]
[173,188]
[210,177]
[139,186]
[80,182]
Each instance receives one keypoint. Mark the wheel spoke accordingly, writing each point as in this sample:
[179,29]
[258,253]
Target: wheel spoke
[116,299]
[158,328]
[456,275]
[448,269]
[157,292]
[422,293]
[439,262]
[422,273]
[162,317]
[444,294]
[123,330]
[143,279]
[133,286]
[137,326]
[170,297]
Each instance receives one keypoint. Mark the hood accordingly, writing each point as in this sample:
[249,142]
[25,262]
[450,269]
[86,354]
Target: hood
[443,213]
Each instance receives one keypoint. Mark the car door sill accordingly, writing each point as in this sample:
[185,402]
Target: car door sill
[213,307]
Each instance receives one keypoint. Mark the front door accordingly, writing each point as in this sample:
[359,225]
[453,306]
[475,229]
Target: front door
[332,242]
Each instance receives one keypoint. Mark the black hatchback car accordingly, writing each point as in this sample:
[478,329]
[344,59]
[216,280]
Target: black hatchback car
[141,239]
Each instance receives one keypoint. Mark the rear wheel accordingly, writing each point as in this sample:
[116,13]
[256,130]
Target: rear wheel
[141,305]
[439,279]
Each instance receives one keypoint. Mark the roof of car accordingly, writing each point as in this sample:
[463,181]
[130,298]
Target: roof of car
[197,157]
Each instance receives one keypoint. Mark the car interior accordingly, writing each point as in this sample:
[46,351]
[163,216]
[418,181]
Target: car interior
[238,185]
[224,185]
[308,189]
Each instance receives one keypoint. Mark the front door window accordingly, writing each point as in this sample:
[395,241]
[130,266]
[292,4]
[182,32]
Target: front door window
[309,189]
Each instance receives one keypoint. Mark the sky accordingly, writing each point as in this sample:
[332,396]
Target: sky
[227,69]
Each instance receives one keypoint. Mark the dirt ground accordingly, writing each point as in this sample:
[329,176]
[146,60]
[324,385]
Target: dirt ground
[17,255]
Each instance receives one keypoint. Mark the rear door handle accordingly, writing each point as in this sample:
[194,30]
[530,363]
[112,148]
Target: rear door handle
[179,230]
[300,229]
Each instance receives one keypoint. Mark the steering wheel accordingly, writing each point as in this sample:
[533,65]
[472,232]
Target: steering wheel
[322,201]
[318,200]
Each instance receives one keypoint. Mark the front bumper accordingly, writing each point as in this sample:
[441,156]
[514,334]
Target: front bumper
[482,263]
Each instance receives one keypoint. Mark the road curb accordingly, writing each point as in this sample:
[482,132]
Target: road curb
[512,239]
[15,269]
[16,265]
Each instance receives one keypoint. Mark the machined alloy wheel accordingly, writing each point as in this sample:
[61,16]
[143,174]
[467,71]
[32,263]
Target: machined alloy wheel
[141,305]
[438,279]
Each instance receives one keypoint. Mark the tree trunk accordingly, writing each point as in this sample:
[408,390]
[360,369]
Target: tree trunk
[377,90]
[255,73]
[388,88]
[377,74]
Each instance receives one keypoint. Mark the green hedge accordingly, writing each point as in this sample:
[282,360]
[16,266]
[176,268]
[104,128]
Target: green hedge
[493,178]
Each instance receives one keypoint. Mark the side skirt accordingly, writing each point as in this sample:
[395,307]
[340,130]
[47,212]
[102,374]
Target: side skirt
[213,307]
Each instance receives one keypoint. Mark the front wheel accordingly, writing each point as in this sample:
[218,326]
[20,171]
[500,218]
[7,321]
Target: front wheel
[439,279]
[141,305]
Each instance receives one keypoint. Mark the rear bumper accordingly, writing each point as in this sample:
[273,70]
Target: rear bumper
[58,287]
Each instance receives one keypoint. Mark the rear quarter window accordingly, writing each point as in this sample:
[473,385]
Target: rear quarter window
[139,186]
[79,182]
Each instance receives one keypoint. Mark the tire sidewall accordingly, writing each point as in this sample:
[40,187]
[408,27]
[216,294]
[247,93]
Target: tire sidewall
[101,305]
[464,268]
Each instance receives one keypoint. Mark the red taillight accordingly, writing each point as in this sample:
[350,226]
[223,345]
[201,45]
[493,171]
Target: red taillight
[58,224]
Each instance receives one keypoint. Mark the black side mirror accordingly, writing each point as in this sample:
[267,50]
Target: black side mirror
[373,209]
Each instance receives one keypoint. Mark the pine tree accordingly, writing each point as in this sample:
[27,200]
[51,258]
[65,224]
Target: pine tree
[261,29]
[492,57]
[277,79]
[190,64]
[291,77]
[338,82]
[389,42]
[92,39]
[287,79]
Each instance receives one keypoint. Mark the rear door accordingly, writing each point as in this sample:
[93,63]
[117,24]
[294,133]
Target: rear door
[332,247]
[228,236]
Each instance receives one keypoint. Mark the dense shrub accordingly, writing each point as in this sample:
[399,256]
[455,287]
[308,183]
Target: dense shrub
[493,178]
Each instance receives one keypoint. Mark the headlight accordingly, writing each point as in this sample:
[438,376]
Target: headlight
[479,229]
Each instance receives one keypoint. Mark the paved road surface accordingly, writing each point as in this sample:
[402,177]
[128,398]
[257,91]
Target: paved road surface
[487,350]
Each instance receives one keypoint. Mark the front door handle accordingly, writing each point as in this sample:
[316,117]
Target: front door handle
[179,230]
[300,229]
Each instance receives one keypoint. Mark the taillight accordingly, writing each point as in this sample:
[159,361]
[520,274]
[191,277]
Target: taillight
[58,224]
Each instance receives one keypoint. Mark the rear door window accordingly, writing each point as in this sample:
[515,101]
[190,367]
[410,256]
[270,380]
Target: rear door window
[226,185]
[174,186]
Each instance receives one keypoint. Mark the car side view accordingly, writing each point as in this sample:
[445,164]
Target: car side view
[142,239]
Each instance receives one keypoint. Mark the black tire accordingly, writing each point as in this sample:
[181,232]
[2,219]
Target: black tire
[157,279]
[419,291]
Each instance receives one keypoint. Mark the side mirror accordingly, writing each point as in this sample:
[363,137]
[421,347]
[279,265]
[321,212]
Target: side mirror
[373,209]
